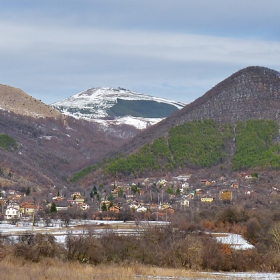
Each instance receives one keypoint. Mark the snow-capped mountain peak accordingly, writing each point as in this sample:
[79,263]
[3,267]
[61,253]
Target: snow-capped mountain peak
[117,106]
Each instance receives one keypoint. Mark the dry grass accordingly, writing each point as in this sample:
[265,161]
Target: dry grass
[13,268]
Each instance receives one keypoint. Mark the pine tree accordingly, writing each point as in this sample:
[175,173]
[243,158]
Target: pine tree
[53,208]
[27,192]
[103,207]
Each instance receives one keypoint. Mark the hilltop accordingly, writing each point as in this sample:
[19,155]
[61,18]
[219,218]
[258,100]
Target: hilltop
[17,101]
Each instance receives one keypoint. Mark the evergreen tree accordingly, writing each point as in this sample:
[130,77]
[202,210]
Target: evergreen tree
[27,192]
[103,207]
[53,208]
[111,197]
[94,190]
[91,194]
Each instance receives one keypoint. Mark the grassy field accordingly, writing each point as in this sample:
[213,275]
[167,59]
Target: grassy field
[13,268]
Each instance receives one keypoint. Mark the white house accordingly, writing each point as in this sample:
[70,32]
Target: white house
[12,211]
[141,209]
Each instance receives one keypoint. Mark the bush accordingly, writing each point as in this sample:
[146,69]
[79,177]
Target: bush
[84,248]
[35,247]
[7,142]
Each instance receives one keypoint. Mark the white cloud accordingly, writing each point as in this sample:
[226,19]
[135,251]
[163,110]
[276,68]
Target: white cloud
[161,45]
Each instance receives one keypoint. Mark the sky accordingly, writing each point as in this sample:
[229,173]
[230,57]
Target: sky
[174,49]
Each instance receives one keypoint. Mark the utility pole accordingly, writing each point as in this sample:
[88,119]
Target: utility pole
[33,219]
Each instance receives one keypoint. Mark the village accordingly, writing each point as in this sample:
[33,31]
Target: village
[149,198]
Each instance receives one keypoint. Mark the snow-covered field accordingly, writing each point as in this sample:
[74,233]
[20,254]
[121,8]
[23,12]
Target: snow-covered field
[75,227]
[59,229]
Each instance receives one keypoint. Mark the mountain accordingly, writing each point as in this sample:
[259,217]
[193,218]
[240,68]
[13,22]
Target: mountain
[250,93]
[50,146]
[115,106]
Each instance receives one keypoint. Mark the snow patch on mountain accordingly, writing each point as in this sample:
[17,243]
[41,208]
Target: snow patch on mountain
[93,104]
[140,123]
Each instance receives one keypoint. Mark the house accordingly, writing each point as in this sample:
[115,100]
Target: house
[11,192]
[115,209]
[248,192]
[168,209]
[153,207]
[207,199]
[76,195]
[205,182]
[77,201]
[162,183]
[61,208]
[185,185]
[28,208]
[226,195]
[57,198]
[234,185]
[84,206]
[183,178]
[61,205]
[185,203]
[141,209]
[198,192]
[135,204]
[12,211]
[115,192]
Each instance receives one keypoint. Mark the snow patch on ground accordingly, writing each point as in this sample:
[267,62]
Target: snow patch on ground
[236,241]
[46,137]
[245,275]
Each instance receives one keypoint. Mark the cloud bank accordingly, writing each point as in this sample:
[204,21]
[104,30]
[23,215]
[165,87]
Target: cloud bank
[172,49]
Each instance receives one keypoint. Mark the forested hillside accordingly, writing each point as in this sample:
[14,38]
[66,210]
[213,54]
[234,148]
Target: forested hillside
[203,144]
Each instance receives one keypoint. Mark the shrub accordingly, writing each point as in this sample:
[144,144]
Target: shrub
[7,142]
[35,247]
[84,248]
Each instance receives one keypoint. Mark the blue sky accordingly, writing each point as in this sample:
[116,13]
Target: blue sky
[175,49]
